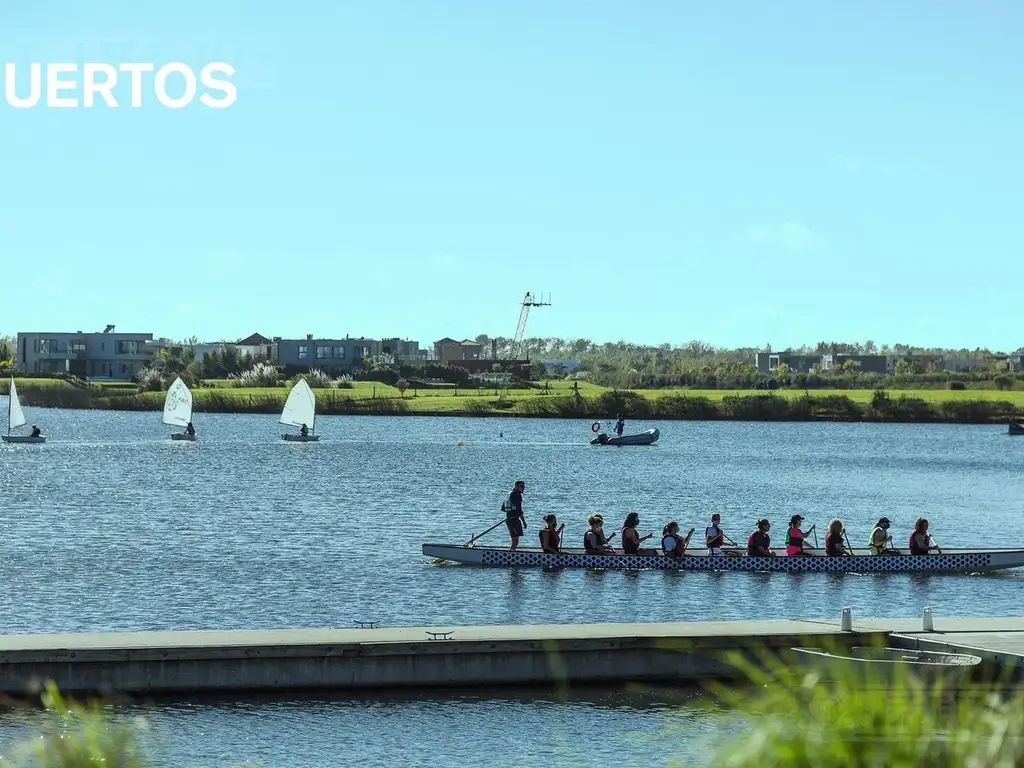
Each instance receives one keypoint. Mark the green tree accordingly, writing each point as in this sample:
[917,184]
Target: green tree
[538,370]
[401,385]
[1003,382]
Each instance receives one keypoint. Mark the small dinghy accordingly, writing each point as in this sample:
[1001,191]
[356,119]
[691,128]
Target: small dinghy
[16,418]
[300,410]
[1015,429]
[883,666]
[641,438]
[178,409]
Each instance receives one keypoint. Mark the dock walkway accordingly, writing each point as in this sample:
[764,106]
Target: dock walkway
[156,663]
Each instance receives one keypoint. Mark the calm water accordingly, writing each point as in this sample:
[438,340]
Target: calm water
[110,526]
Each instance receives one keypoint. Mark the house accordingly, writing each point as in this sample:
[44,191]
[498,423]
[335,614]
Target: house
[448,350]
[329,355]
[399,351]
[104,354]
[255,346]
[767,362]
[863,363]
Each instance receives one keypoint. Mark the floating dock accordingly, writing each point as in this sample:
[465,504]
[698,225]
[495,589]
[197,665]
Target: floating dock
[382,658]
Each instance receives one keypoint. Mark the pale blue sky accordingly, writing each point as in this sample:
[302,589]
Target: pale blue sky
[737,171]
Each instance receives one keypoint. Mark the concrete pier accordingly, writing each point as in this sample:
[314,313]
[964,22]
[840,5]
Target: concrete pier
[161,663]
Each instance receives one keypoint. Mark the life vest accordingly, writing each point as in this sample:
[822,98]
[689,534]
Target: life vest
[914,548]
[599,541]
[670,544]
[507,506]
[871,541]
[716,542]
[830,538]
[553,534]
[750,544]
[794,541]
[629,549]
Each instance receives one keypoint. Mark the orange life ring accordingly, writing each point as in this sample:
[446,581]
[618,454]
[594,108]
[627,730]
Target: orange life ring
[595,427]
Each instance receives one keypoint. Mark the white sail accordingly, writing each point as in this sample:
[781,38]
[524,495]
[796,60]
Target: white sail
[178,405]
[15,414]
[300,407]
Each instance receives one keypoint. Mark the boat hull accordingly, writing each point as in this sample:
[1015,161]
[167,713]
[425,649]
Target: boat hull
[183,436]
[23,439]
[642,438]
[952,561]
[867,665]
[301,438]
[1015,429]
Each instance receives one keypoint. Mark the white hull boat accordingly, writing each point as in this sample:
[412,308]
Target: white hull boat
[178,409]
[641,438]
[299,409]
[884,666]
[16,418]
[949,561]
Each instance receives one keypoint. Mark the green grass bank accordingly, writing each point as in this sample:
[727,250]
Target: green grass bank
[972,406]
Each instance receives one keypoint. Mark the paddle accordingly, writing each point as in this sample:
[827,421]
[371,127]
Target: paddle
[814,530]
[849,548]
[934,543]
[470,542]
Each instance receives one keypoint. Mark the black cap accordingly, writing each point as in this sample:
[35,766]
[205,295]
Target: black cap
[884,521]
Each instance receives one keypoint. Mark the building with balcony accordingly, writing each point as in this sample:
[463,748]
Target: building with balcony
[329,355]
[105,355]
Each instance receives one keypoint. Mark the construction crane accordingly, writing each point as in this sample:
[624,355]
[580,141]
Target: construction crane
[517,341]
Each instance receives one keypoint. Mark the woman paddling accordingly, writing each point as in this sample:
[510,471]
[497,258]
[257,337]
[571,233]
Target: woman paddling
[672,544]
[920,541]
[631,539]
[594,540]
[795,537]
[551,537]
[834,544]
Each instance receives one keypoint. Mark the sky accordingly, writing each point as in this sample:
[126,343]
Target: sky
[738,172]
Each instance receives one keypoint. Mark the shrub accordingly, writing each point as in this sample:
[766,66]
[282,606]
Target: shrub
[1002,381]
[957,385]
[316,379]
[151,380]
[260,375]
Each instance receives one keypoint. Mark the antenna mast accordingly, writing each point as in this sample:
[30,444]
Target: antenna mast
[517,342]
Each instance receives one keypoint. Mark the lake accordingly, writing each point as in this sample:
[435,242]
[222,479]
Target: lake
[111,526]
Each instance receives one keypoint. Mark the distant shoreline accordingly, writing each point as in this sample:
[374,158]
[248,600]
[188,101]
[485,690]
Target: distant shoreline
[883,407]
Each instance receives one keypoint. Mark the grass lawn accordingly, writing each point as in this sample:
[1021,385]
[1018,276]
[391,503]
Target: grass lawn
[446,400]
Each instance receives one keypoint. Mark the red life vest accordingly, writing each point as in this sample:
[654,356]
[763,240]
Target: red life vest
[552,538]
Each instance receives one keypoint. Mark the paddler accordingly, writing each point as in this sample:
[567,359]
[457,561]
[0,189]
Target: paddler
[880,538]
[512,506]
[620,425]
[795,537]
[759,543]
[714,536]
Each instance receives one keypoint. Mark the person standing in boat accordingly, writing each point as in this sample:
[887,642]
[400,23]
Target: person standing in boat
[795,537]
[515,520]
[631,538]
[551,537]
[759,543]
[594,540]
[620,425]
[834,544]
[920,541]
[879,542]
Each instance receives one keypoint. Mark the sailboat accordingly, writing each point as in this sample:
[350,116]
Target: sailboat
[16,418]
[299,409]
[178,409]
